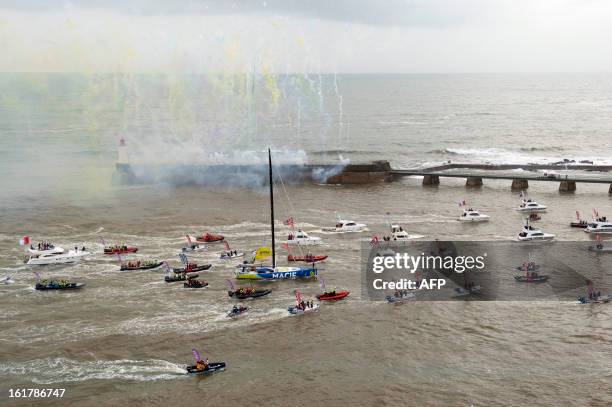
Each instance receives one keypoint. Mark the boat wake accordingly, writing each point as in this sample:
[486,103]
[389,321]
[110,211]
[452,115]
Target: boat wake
[61,370]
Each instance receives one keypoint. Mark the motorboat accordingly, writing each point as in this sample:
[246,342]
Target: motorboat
[531,234]
[232,254]
[140,265]
[307,258]
[400,296]
[345,225]
[57,285]
[529,205]
[302,238]
[599,248]
[579,224]
[333,295]
[120,249]
[472,215]
[600,225]
[71,256]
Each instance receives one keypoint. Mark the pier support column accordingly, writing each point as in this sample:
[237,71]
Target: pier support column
[431,180]
[473,182]
[520,184]
[567,186]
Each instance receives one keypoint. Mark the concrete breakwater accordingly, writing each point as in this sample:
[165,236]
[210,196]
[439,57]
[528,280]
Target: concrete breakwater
[374,172]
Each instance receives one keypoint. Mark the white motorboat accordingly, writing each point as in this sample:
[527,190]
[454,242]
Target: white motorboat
[344,225]
[398,233]
[529,205]
[472,215]
[71,256]
[530,234]
[45,248]
[302,238]
[599,225]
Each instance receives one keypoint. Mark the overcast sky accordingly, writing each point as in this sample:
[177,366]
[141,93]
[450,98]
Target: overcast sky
[306,36]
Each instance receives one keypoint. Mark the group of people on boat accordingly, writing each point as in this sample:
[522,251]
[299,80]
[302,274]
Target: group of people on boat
[231,253]
[54,283]
[43,246]
[202,364]
[245,291]
[303,305]
[237,310]
[400,293]
[116,247]
[192,282]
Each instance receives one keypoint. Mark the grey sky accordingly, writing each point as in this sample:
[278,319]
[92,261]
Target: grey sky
[315,35]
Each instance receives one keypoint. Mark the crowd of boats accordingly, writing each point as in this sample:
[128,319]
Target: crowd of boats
[253,268]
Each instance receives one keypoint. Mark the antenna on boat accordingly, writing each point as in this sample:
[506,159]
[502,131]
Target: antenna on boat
[271,207]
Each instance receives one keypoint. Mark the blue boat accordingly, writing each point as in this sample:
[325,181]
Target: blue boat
[253,272]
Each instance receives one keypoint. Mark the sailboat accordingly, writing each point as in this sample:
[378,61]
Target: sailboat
[253,272]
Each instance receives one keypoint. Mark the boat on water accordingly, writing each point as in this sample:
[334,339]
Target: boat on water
[599,248]
[592,296]
[248,271]
[236,311]
[302,238]
[120,249]
[531,234]
[140,265]
[193,246]
[8,280]
[211,367]
[72,256]
[232,254]
[57,285]
[533,217]
[599,225]
[344,226]
[308,258]
[333,295]
[472,215]
[194,283]
[529,266]
[399,296]
[249,292]
[191,268]
[579,224]
[529,205]
[302,307]
[531,277]
[209,238]
[180,277]
[45,248]
[463,291]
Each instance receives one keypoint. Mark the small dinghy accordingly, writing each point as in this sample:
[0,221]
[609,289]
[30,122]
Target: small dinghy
[191,268]
[193,283]
[140,265]
[400,296]
[209,238]
[237,311]
[211,367]
[229,253]
[193,246]
[592,296]
[529,266]
[461,291]
[57,285]
[308,258]
[534,217]
[302,307]
[246,293]
[333,295]
[8,280]
[600,249]
[180,277]
[531,278]
[120,249]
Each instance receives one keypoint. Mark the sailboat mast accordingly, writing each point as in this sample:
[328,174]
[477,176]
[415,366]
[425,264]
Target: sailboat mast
[272,208]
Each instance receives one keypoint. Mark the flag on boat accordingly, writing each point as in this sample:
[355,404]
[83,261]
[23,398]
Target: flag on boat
[24,241]
[262,253]
[595,213]
[322,282]
[227,246]
[522,194]
[167,267]
[188,239]
[374,241]
[230,285]
[196,354]
[298,296]
[462,204]
[37,274]
[183,258]
[577,215]
[289,222]
[285,246]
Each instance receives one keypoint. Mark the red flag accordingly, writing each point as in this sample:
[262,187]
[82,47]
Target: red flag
[285,246]
[578,215]
[227,246]
[289,222]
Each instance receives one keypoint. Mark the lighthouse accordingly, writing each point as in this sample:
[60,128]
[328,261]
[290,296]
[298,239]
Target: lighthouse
[122,153]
